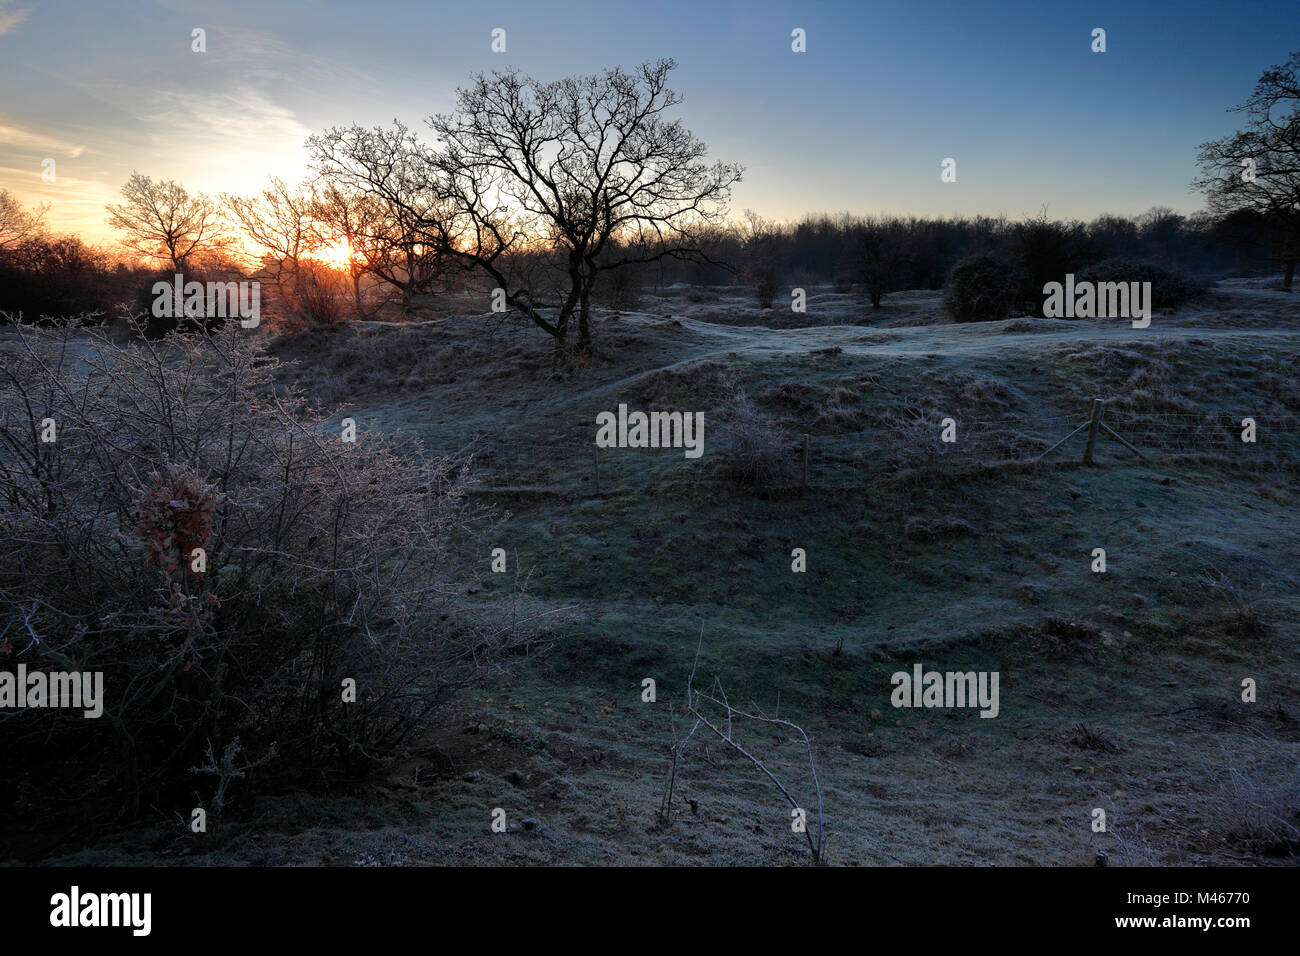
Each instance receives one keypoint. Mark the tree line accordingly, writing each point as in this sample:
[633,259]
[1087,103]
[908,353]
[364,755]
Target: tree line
[583,191]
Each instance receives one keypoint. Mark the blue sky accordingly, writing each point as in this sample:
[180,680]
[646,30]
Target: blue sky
[861,121]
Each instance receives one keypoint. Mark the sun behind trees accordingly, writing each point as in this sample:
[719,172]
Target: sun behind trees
[533,192]
[537,188]
[378,189]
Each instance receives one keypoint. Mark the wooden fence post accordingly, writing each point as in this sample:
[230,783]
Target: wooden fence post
[1094,426]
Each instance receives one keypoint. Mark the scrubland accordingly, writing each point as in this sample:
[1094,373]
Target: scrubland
[1119,691]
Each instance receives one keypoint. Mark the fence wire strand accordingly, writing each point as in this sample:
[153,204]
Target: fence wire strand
[854,458]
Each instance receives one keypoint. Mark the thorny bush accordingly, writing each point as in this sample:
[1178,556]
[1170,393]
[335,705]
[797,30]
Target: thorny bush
[321,560]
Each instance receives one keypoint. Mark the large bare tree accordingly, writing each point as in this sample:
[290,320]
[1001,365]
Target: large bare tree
[164,221]
[586,169]
[1258,167]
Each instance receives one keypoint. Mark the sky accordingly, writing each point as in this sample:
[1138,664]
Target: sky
[860,121]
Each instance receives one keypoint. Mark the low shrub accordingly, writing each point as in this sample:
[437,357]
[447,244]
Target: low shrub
[751,448]
[983,288]
[1170,289]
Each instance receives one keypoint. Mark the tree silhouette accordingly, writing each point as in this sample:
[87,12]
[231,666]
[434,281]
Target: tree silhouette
[382,181]
[279,221]
[16,223]
[164,221]
[1258,168]
[587,169]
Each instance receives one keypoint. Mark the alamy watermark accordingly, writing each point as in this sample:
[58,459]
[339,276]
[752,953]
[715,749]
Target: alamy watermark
[653,430]
[82,690]
[923,688]
[1098,300]
[179,299]
[75,908]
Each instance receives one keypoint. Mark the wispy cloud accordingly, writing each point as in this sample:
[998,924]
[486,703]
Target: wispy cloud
[10,17]
[229,137]
[235,118]
[12,135]
[76,204]
[223,120]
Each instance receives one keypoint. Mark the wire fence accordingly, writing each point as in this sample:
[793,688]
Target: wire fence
[863,456]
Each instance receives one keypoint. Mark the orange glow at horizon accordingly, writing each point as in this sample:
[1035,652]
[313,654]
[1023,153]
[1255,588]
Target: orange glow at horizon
[338,254]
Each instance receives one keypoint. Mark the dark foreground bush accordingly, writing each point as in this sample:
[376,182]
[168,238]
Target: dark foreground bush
[983,288]
[230,565]
[1169,289]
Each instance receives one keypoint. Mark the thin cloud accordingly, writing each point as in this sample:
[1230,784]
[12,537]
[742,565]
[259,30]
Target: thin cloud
[30,139]
[10,17]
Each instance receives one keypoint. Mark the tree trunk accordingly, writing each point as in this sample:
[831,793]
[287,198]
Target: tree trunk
[587,278]
[1290,252]
[584,323]
[356,294]
[560,357]
[567,309]
[300,290]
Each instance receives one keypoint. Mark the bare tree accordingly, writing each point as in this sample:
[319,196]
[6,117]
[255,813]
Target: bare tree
[348,216]
[163,221]
[279,221]
[761,244]
[586,168]
[387,175]
[16,223]
[880,258]
[1259,167]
